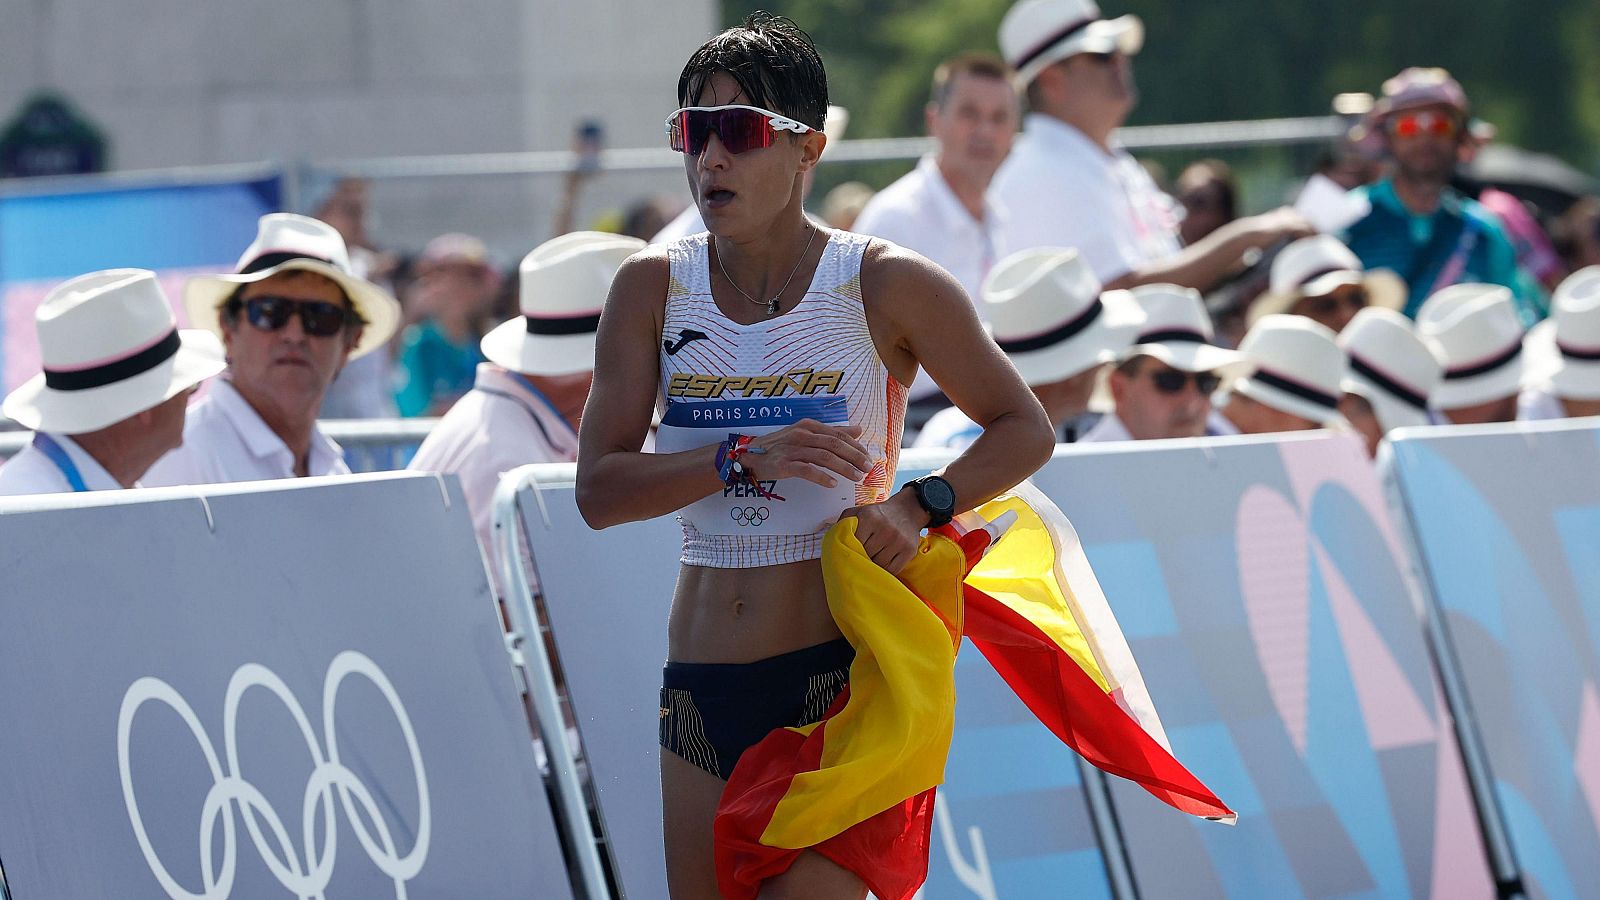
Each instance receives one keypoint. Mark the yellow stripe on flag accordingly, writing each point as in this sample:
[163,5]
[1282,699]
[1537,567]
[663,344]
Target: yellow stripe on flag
[891,739]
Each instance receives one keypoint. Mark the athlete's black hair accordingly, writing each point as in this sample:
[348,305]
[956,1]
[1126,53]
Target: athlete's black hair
[772,61]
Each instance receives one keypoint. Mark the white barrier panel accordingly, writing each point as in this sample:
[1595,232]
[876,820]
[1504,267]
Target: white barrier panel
[1013,819]
[1267,598]
[259,691]
[1506,520]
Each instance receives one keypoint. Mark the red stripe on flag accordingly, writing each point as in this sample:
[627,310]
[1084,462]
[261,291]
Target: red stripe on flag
[888,852]
[1075,709]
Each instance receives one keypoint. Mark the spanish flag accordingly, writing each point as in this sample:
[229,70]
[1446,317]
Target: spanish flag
[858,786]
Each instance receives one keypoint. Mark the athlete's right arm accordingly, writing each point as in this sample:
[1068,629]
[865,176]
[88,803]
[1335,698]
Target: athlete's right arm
[616,482]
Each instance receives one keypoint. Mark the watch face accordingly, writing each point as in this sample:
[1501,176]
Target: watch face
[937,493]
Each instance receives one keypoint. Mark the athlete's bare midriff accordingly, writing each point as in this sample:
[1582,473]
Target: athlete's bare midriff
[748,614]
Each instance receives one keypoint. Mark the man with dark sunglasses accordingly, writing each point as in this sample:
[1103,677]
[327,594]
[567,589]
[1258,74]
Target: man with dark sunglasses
[1427,232]
[1162,386]
[290,319]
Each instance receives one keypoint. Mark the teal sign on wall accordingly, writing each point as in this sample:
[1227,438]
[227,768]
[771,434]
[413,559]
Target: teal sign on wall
[49,137]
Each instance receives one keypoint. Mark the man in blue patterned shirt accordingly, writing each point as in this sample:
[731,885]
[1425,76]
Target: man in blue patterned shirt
[1428,233]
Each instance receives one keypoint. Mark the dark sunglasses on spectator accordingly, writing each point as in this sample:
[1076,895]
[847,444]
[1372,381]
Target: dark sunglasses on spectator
[1172,381]
[317,318]
[1412,125]
[1353,296]
[738,127]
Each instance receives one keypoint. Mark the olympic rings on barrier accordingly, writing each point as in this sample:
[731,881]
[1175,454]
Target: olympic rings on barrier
[749,515]
[229,787]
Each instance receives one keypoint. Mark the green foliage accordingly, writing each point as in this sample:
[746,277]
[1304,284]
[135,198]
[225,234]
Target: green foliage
[1529,66]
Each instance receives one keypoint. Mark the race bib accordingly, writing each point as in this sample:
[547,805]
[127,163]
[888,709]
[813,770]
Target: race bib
[806,507]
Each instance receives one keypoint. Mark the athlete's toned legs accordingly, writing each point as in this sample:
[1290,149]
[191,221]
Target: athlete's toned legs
[689,797]
[814,875]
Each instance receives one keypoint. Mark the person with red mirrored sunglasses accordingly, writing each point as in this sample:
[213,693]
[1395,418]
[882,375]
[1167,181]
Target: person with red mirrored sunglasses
[1420,227]
[778,353]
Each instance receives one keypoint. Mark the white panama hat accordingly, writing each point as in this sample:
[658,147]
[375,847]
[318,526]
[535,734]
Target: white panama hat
[1318,265]
[111,348]
[1564,350]
[286,242]
[1297,368]
[1474,331]
[1045,310]
[1177,331]
[1037,33]
[1391,367]
[564,283]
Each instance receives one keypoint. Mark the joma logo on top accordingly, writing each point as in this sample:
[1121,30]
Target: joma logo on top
[802,382]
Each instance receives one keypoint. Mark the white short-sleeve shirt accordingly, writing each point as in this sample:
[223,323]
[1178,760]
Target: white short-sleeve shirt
[226,440]
[920,212]
[948,428]
[502,423]
[32,472]
[1108,429]
[1060,189]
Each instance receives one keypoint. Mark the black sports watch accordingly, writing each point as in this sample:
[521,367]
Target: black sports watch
[937,497]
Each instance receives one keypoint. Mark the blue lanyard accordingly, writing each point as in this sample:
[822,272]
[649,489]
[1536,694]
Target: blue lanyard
[48,446]
[539,395]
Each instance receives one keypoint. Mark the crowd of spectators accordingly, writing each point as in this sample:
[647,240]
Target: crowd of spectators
[1133,313]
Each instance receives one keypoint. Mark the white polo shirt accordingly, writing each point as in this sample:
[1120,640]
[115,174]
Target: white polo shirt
[920,212]
[226,440]
[1535,404]
[948,428]
[1060,189]
[31,471]
[502,423]
[1109,428]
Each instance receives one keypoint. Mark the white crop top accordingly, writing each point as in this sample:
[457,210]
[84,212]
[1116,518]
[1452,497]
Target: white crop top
[816,361]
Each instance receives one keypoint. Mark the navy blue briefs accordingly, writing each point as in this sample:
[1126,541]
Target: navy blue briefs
[712,712]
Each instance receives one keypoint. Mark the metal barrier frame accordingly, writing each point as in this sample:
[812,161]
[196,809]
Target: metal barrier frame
[297,173]
[355,436]
[525,643]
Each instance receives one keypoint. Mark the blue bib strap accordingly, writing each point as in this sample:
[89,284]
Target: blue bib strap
[56,454]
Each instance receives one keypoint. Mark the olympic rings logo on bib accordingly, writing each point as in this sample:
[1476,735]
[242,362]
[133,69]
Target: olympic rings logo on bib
[749,515]
[328,775]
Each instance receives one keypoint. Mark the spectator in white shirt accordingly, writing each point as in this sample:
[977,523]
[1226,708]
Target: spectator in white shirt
[939,208]
[525,405]
[1162,385]
[1070,184]
[1045,310]
[1564,350]
[291,319]
[1296,379]
[117,378]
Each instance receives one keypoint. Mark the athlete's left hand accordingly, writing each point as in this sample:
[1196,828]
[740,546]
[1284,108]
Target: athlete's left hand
[891,531]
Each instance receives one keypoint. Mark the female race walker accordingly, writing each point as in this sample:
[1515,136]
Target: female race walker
[778,352]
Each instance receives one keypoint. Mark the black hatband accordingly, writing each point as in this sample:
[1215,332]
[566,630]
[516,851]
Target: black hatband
[1056,335]
[1051,41]
[1405,394]
[269,260]
[119,370]
[1486,366]
[1309,394]
[569,325]
[1590,355]
[1172,336]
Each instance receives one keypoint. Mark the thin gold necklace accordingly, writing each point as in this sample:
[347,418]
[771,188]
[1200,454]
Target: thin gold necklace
[772,305]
